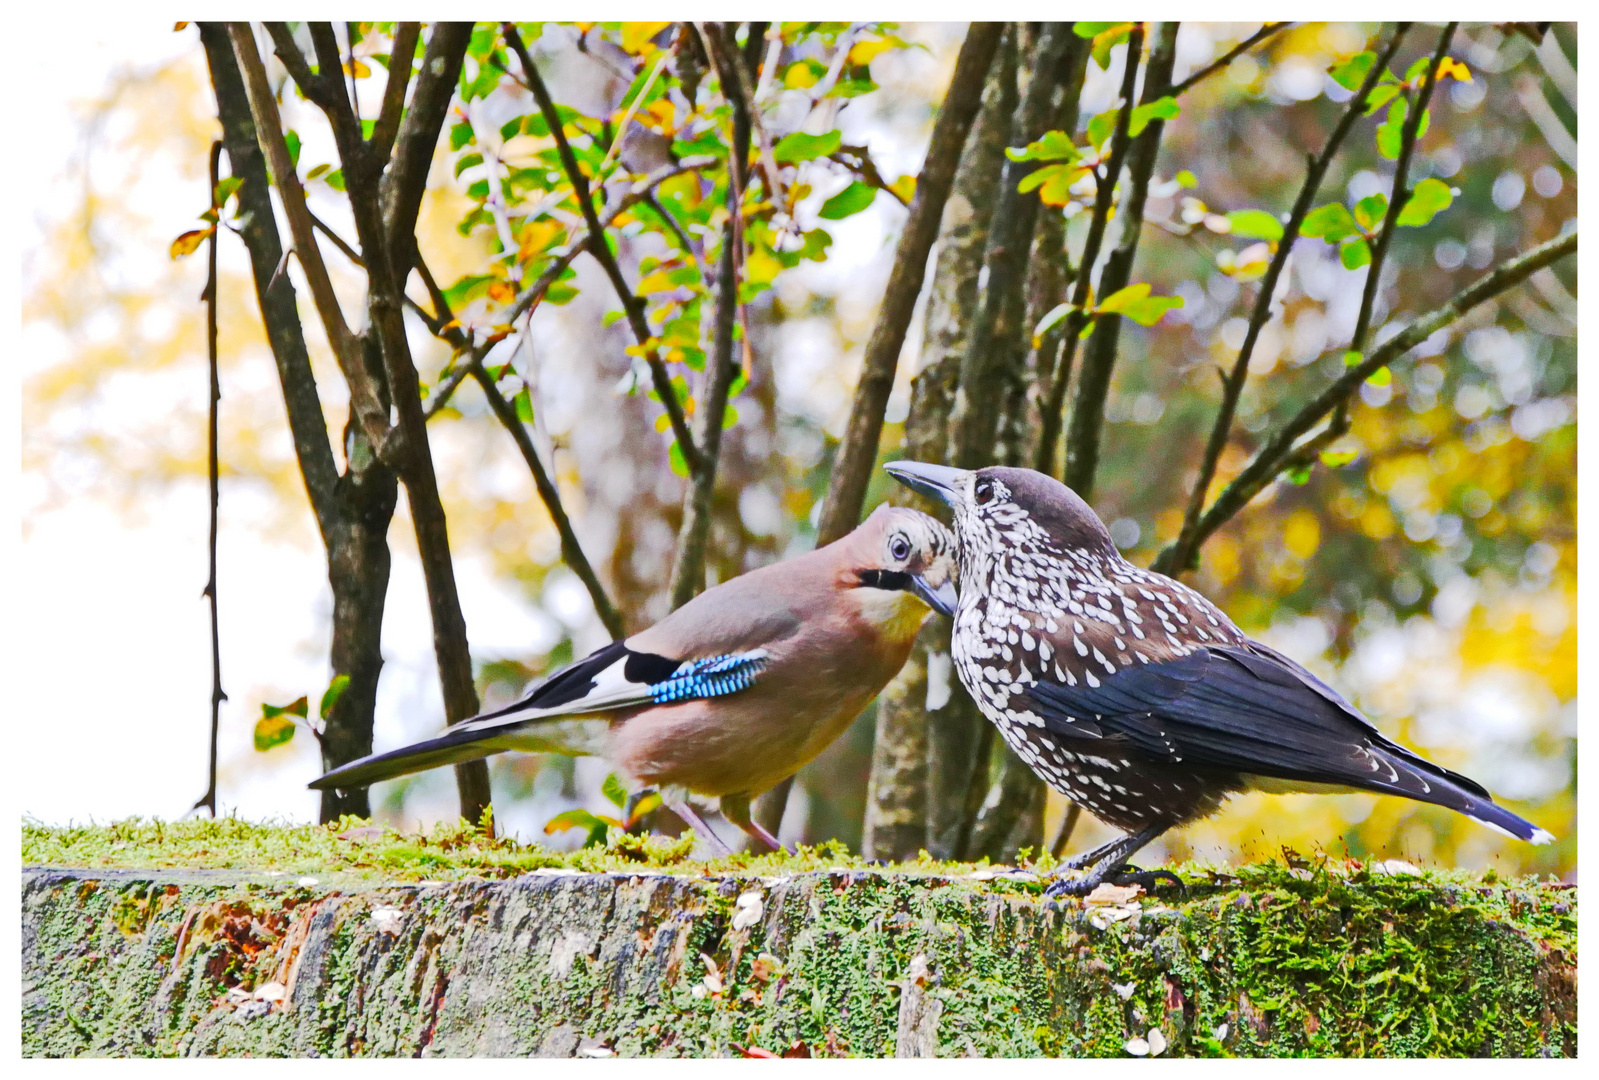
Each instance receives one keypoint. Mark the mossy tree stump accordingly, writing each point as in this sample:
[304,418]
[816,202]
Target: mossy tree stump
[854,960]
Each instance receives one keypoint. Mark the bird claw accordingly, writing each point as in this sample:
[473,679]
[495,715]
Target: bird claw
[1148,880]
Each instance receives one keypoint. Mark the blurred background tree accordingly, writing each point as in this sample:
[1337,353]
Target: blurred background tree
[1420,552]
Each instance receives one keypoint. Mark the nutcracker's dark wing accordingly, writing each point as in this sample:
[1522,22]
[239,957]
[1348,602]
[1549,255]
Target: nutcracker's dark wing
[1248,709]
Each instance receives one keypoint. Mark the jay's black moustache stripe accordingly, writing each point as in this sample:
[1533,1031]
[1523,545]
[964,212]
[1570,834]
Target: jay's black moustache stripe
[885,579]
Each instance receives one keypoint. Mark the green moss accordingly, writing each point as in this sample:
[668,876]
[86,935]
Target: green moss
[1264,960]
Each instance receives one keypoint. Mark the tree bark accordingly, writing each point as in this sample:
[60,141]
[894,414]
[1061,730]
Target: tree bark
[846,492]
[352,510]
[917,746]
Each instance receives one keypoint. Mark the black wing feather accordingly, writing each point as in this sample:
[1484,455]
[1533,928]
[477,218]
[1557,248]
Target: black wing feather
[1244,709]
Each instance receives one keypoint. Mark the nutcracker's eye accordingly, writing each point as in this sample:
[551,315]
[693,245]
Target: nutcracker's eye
[984,492]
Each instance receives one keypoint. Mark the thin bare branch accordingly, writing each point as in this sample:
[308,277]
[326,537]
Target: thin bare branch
[1273,457]
[1228,57]
[688,570]
[338,241]
[571,550]
[1408,134]
[1180,554]
[1099,355]
[365,400]
[858,452]
[218,696]
[597,245]
[401,55]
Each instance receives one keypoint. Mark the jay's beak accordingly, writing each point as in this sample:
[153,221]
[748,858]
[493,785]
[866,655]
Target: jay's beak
[935,481]
[942,599]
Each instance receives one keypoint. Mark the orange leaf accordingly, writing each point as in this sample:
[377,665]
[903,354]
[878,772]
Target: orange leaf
[190,241]
[502,292]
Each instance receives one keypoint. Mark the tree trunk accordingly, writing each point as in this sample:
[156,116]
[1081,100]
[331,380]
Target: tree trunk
[916,746]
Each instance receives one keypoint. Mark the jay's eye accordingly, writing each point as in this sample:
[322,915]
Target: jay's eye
[899,549]
[984,491]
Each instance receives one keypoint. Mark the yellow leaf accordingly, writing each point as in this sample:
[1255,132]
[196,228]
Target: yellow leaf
[904,187]
[539,236]
[664,113]
[864,52]
[800,76]
[178,26]
[636,35]
[1452,67]
[190,241]
[354,66]
[502,292]
[659,281]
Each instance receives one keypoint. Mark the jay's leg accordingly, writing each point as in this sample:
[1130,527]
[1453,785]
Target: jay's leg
[689,814]
[736,808]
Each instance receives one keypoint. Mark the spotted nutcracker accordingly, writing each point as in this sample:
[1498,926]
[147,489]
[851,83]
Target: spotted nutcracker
[1133,695]
[733,691]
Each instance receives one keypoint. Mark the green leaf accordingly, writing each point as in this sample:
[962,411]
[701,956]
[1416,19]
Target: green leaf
[1332,223]
[1106,40]
[1148,311]
[1165,108]
[273,731]
[1381,377]
[817,241]
[798,146]
[1186,179]
[1352,357]
[1051,318]
[1334,459]
[579,818]
[1116,301]
[291,139]
[852,200]
[319,171]
[1101,127]
[1370,211]
[1380,95]
[1299,474]
[1091,29]
[674,457]
[524,405]
[1051,146]
[335,179]
[1431,196]
[1390,133]
[1255,225]
[460,135]
[297,707]
[225,189]
[511,129]
[1355,253]
[613,789]
[478,189]
[467,161]
[331,696]
[367,128]
[1352,72]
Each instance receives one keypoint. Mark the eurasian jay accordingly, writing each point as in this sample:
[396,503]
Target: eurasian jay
[735,690]
[1132,694]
